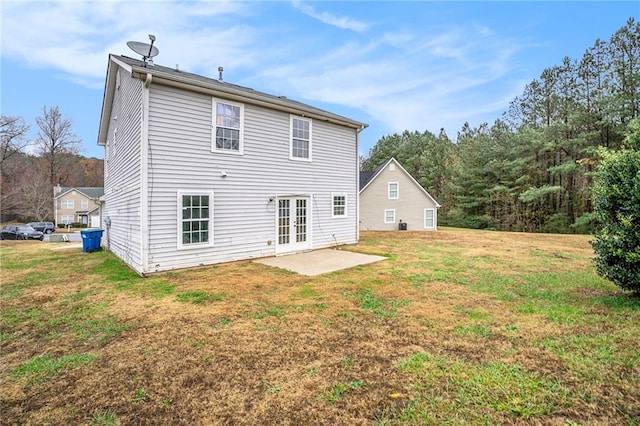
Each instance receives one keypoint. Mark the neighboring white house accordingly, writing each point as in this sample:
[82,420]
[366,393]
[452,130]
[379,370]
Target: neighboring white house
[199,171]
[389,195]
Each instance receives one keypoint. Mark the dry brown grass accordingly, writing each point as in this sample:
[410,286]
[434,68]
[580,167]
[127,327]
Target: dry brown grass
[272,347]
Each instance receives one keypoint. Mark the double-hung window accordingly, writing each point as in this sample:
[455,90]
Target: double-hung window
[66,204]
[195,221]
[84,204]
[228,123]
[394,190]
[429,218]
[300,144]
[390,216]
[339,205]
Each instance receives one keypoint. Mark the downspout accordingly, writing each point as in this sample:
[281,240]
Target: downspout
[144,177]
[364,126]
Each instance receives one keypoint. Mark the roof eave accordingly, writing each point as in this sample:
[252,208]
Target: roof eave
[233,93]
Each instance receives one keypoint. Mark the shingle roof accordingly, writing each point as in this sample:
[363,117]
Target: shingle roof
[365,177]
[89,191]
[198,80]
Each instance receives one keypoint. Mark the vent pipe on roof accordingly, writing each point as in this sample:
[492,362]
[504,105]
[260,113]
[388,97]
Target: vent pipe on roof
[220,69]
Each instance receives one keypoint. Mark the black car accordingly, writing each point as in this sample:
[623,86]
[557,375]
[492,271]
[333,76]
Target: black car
[46,227]
[17,232]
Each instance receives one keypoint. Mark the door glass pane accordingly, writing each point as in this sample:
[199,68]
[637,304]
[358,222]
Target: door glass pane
[301,221]
[283,221]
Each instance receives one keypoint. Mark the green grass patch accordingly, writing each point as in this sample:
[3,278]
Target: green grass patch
[340,390]
[307,292]
[46,367]
[197,297]
[104,418]
[368,300]
[465,390]
[268,311]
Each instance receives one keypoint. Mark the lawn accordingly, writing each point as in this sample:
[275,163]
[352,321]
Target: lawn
[457,326]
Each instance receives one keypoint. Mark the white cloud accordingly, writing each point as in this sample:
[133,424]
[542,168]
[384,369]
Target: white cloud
[76,37]
[403,77]
[327,18]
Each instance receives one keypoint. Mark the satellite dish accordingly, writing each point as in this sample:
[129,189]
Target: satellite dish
[148,51]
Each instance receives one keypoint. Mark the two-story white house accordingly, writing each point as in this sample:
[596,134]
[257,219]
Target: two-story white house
[199,171]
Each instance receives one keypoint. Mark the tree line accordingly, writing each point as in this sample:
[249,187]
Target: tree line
[29,169]
[532,169]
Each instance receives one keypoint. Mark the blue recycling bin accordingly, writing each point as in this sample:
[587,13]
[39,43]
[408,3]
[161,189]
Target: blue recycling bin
[91,239]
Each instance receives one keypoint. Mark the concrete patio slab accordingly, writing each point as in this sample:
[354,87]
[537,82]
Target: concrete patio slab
[320,261]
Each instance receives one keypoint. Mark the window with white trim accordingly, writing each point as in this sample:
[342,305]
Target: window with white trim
[394,190]
[195,223]
[339,205]
[66,204]
[228,123]
[300,144]
[67,219]
[84,204]
[429,218]
[390,216]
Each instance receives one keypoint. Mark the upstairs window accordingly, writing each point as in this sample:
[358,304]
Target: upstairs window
[394,190]
[66,204]
[300,139]
[228,126]
[84,204]
[339,205]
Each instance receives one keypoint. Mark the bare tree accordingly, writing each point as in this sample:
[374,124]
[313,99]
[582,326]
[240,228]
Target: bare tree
[55,140]
[13,132]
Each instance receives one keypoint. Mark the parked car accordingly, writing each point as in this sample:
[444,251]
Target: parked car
[18,232]
[46,227]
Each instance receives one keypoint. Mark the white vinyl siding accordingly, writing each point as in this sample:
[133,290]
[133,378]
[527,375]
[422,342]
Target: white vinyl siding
[123,173]
[195,217]
[394,190]
[429,218]
[246,199]
[66,204]
[339,205]
[390,216]
[228,125]
[300,140]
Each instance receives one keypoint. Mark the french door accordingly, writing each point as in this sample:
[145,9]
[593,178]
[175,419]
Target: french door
[293,224]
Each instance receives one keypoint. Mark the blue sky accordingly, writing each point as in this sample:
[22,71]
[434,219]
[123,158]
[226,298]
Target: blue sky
[417,65]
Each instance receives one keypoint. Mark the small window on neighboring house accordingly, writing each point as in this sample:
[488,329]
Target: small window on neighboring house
[300,144]
[390,216]
[228,127]
[66,204]
[339,205]
[195,219]
[67,219]
[429,218]
[394,190]
[84,204]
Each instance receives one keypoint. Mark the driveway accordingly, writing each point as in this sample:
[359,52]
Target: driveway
[320,261]
[73,236]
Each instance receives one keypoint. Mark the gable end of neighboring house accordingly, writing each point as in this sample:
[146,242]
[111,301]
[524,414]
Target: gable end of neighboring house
[199,171]
[391,199]
[77,205]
